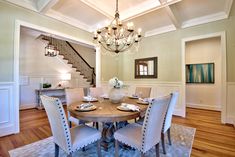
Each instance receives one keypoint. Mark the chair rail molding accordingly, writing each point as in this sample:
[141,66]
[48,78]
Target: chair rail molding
[7,118]
[158,89]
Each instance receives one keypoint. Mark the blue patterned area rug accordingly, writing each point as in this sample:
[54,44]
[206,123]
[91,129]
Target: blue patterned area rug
[182,140]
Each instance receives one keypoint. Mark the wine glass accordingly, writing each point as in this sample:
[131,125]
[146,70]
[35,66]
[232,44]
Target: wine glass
[139,94]
[89,97]
[100,99]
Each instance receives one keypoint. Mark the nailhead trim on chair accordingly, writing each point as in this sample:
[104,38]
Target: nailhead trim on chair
[66,130]
[67,133]
[145,125]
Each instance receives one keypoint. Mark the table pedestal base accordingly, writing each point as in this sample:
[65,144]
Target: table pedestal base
[108,132]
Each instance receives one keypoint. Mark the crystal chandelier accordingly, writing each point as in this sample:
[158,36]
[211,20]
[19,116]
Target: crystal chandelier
[116,37]
[50,49]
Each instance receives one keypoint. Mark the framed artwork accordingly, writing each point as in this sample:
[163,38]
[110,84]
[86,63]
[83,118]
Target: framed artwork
[200,73]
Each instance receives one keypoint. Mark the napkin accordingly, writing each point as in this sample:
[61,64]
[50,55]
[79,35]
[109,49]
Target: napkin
[89,98]
[84,106]
[131,107]
[149,100]
[105,96]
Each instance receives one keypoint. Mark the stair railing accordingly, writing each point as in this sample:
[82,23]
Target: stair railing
[74,58]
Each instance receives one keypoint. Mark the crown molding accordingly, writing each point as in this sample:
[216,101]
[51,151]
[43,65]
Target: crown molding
[204,19]
[68,20]
[160,30]
[31,5]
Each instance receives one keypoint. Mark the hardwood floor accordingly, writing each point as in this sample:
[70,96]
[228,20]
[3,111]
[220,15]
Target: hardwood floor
[212,139]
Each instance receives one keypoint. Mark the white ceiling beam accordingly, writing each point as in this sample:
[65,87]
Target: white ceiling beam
[44,5]
[173,17]
[228,6]
[176,21]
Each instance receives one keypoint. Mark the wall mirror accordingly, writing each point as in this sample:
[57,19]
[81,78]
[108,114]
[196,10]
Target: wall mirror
[146,67]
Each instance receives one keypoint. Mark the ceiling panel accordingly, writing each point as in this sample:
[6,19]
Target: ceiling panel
[79,11]
[189,9]
[152,20]
[127,8]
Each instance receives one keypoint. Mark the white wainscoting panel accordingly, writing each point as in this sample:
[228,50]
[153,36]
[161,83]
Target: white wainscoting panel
[158,89]
[230,118]
[7,110]
[27,90]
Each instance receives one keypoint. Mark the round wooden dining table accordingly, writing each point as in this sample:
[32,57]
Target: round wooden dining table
[107,111]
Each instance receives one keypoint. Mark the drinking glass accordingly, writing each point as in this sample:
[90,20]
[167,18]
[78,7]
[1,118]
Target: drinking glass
[100,99]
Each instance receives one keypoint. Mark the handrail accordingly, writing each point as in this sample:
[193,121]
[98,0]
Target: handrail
[83,66]
[81,57]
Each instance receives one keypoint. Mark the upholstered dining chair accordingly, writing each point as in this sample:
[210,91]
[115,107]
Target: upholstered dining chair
[73,95]
[143,138]
[168,119]
[69,140]
[143,92]
[96,91]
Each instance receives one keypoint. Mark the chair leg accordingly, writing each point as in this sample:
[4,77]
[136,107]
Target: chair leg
[169,135]
[142,154]
[157,150]
[97,125]
[116,148]
[56,150]
[98,148]
[163,143]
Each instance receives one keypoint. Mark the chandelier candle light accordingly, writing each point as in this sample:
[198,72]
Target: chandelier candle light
[116,37]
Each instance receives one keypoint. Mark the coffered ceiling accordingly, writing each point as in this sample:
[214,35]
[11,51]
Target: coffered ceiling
[153,16]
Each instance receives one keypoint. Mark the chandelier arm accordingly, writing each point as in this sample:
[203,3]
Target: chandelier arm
[116,5]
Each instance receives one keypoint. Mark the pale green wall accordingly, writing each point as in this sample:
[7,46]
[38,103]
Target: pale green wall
[167,47]
[8,15]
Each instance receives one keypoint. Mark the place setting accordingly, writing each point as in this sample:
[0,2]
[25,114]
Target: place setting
[144,101]
[86,107]
[89,98]
[128,107]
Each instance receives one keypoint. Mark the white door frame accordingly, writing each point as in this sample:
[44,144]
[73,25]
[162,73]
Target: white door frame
[222,36]
[18,24]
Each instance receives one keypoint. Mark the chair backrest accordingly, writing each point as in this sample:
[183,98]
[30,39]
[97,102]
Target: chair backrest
[96,91]
[74,95]
[143,92]
[153,121]
[170,110]
[58,122]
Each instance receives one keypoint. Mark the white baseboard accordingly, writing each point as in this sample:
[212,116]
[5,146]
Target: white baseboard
[178,112]
[230,120]
[27,106]
[204,106]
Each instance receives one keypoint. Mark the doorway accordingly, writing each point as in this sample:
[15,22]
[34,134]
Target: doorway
[16,91]
[196,92]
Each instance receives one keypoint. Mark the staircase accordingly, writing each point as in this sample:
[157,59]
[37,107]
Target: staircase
[74,58]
